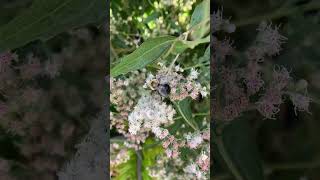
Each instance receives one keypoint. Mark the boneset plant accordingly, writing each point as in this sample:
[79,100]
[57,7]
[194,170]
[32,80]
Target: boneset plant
[159,106]
[47,82]
[38,123]
[246,83]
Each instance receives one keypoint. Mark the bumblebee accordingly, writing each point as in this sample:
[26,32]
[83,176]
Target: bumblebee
[153,84]
[163,89]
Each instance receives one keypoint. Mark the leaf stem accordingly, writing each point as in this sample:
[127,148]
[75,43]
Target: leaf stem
[177,56]
[194,115]
[139,164]
[185,118]
[227,159]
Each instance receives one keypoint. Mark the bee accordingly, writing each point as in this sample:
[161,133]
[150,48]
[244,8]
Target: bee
[163,89]
[200,97]
[153,84]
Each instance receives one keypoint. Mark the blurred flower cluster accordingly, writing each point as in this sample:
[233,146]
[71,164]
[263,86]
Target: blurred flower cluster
[250,84]
[44,106]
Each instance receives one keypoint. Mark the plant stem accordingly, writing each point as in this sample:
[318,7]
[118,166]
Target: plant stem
[177,56]
[194,115]
[227,159]
[185,118]
[139,164]
[281,12]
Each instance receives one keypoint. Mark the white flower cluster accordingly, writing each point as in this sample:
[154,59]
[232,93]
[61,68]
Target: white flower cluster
[177,86]
[194,169]
[218,23]
[150,113]
[194,140]
[90,160]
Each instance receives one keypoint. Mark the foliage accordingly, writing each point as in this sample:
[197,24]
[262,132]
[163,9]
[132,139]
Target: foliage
[52,58]
[249,146]
[163,48]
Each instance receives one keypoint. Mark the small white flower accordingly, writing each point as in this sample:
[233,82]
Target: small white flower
[178,68]
[126,82]
[150,113]
[204,92]
[191,168]
[193,74]
[194,140]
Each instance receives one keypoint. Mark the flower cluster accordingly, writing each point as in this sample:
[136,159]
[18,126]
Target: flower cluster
[218,23]
[199,168]
[141,111]
[124,96]
[44,107]
[193,169]
[248,86]
[150,113]
[171,82]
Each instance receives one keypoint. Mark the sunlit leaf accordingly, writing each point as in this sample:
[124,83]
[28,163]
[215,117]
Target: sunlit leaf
[200,20]
[147,53]
[182,45]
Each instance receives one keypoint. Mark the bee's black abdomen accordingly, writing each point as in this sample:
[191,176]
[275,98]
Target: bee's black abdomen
[164,89]
[200,98]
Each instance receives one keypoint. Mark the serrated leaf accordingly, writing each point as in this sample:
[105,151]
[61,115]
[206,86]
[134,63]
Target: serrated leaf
[239,150]
[148,52]
[184,108]
[47,18]
[182,45]
[200,20]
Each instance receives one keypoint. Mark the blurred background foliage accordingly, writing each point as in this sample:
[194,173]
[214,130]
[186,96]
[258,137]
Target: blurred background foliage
[52,124]
[288,147]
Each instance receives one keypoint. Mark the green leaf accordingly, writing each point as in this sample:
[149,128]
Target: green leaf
[184,108]
[128,170]
[148,52]
[200,20]
[182,45]
[206,56]
[150,154]
[47,18]
[239,151]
